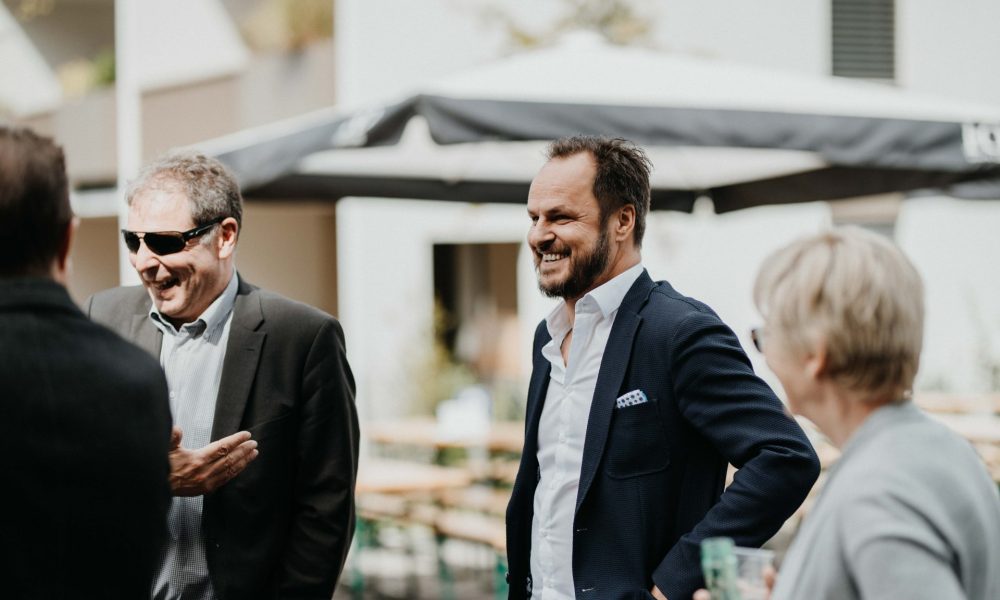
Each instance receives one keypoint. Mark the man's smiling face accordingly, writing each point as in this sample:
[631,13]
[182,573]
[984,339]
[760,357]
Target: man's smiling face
[568,237]
[182,285]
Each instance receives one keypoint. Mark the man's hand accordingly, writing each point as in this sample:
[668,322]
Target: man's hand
[197,472]
[657,593]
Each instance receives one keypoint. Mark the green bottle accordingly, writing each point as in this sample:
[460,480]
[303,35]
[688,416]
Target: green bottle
[718,563]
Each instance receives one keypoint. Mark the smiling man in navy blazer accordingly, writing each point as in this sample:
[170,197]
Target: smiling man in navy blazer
[639,399]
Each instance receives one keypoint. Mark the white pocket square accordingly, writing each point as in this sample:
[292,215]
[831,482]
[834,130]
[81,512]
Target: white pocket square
[631,399]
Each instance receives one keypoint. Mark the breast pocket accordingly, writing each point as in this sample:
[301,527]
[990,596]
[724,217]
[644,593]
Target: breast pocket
[275,438]
[271,428]
[637,444]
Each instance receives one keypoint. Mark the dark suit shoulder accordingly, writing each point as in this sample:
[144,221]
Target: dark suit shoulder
[118,358]
[295,322]
[668,312]
[113,304]
[665,298]
[281,309]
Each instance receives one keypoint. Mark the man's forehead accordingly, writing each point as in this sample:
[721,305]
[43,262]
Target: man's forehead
[581,165]
[161,204]
[564,189]
[162,192]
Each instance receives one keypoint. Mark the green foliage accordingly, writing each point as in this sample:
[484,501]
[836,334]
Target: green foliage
[438,376]
[308,21]
[104,68]
[27,10]
[283,25]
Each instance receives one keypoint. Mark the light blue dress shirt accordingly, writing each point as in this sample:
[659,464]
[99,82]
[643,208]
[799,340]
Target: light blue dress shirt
[192,357]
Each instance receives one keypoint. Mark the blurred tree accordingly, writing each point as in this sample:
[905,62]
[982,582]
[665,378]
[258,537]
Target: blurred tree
[27,10]
[618,21]
[104,68]
[80,76]
[437,375]
[283,25]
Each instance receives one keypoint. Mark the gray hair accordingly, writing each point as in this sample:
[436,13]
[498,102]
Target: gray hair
[209,186]
[855,292]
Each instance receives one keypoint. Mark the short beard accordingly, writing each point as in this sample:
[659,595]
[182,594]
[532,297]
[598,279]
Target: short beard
[583,273]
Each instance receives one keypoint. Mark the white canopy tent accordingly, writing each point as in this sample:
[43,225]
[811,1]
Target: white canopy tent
[741,135]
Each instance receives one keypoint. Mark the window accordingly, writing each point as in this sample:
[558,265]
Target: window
[864,39]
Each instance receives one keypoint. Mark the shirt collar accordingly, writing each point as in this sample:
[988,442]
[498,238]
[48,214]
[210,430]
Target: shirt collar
[214,316]
[607,297]
[610,294]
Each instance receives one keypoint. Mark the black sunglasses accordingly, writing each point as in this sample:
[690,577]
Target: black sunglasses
[165,242]
[757,335]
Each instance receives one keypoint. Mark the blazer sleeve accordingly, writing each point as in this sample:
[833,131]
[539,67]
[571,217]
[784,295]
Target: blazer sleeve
[322,520]
[719,395]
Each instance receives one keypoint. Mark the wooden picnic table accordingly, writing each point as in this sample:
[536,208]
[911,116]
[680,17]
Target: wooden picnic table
[503,436]
[979,429]
[384,476]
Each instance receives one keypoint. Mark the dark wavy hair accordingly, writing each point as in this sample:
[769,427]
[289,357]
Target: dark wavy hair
[622,176]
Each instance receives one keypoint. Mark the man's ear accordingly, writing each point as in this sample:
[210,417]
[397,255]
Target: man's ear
[60,268]
[229,232]
[624,223]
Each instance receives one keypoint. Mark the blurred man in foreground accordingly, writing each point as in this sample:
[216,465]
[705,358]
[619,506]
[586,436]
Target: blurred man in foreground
[640,397]
[264,455]
[84,420]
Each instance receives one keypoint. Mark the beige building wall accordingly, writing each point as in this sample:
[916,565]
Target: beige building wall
[291,248]
[288,247]
[184,115]
[94,257]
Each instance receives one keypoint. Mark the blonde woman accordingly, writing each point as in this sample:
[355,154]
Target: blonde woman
[908,511]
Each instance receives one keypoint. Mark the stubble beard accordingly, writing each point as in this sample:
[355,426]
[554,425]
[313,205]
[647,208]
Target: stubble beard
[583,271]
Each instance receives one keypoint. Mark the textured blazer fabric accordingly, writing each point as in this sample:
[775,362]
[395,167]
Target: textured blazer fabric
[283,526]
[653,472]
[84,436]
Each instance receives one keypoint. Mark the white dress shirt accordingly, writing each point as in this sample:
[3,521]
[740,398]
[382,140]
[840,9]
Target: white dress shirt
[563,429]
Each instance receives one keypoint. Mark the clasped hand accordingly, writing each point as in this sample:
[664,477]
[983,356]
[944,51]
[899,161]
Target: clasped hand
[198,472]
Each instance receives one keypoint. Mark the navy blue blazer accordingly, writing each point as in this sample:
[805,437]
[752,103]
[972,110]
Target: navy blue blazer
[653,474]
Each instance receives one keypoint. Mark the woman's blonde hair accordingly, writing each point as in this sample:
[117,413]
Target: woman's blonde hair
[855,292]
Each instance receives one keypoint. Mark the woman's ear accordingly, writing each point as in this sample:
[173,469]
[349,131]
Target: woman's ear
[816,364]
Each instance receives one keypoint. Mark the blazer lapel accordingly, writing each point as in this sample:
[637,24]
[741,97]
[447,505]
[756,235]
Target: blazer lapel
[240,364]
[146,335]
[527,474]
[536,399]
[614,364]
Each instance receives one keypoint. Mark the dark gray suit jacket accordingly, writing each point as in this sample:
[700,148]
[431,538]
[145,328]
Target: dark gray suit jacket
[84,433]
[281,528]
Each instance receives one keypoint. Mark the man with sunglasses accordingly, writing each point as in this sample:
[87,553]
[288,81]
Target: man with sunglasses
[264,452]
[84,419]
